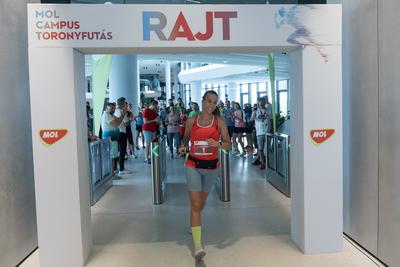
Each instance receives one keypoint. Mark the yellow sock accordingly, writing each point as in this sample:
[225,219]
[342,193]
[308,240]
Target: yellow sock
[196,234]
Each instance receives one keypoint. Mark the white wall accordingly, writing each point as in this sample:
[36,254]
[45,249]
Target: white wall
[389,131]
[360,112]
[17,195]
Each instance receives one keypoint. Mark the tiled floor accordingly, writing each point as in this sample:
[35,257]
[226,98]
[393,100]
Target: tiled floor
[251,230]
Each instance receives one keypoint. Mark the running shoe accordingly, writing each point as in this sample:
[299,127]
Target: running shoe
[124,172]
[199,254]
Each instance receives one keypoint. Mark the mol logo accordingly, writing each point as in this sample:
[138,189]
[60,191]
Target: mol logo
[51,136]
[321,135]
[157,21]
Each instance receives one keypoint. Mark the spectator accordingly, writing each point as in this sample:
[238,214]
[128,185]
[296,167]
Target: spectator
[262,116]
[150,123]
[172,121]
[109,125]
[122,110]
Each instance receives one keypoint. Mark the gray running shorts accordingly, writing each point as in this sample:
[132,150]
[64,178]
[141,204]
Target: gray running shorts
[200,180]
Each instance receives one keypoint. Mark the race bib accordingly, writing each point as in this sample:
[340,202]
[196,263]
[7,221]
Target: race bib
[201,148]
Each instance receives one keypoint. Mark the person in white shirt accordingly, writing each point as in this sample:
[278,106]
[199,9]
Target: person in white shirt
[122,108]
[109,126]
[262,117]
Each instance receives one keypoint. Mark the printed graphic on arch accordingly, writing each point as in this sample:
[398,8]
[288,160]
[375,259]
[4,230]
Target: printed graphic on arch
[52,136]
[156,22]
[321,135]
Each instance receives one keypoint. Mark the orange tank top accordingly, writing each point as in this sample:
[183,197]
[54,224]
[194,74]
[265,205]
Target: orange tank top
[199,147]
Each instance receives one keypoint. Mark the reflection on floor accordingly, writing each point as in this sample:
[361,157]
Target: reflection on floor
[251,230]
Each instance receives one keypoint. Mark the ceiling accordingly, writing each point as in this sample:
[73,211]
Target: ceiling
[155,64]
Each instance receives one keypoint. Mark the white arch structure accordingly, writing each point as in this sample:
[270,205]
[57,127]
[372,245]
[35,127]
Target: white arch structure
[60,35]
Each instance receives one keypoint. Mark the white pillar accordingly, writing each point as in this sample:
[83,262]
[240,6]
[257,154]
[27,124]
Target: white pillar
[195,90]
[124,79]
[168,79]
[175,71]
[195,87]
[316,170]
[61,169]
[233,92]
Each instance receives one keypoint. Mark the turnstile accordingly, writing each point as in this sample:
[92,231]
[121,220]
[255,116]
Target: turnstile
[100,168]
[277,152]
[223,182]
[158,169]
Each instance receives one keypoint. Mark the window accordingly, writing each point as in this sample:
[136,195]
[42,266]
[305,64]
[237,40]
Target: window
[254,90]
[222,92]
[244,99]
[262,89]
[244,88]
[282,96]
[244,93]
[282,84]
[188,93]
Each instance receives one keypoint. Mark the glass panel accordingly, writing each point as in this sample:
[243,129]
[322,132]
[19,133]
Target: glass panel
[187,93]
[270,148]
[254,92]
[222,94]
[283,102]
[262,87]
[245,99]
[281,158]
[282,85]
[187,97]
[95,162]
[106,158]
[244,88]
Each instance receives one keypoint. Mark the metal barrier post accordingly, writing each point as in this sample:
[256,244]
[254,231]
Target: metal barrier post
[158,169]
[223,185]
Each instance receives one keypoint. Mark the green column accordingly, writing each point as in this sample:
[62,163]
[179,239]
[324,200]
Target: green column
[101,72]
[271,64]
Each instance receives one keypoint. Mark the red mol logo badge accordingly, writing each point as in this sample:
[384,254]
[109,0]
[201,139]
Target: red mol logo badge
[51,136]
[321,135]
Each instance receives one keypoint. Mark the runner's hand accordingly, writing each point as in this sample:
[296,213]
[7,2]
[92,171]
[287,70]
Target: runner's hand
[212,142]
[182,150]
